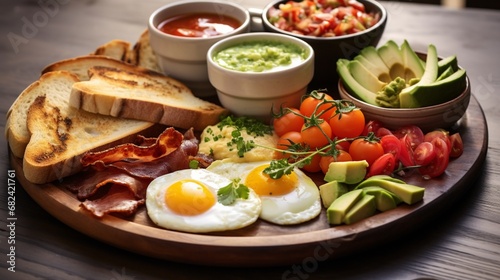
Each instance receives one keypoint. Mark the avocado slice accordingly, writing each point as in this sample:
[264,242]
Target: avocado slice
[406,97]
[352,86]
[364,208]
[391,55]
[413,67]
[439,91]
[409,194]
[330,191]
[364,77]
[340,206]
[445,74]
[376,66]
[445,63]
[384,199]
[349,172]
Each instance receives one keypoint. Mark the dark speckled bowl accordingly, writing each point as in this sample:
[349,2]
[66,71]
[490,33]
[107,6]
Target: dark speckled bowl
[329,50]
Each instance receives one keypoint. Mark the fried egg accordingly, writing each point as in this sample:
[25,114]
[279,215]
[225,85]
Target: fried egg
[186,200]
[292,199]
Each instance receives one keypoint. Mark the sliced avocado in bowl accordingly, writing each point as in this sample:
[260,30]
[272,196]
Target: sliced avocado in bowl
[391,55]
[426,83]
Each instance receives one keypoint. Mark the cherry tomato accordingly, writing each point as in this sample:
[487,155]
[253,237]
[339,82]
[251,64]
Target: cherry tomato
[314,166]
[325,161]
[343,145]
[316,136]
[348,125]
[439,133]
[309,104]
[438,165]
[363,149]
[415,134]
[391,144]
[286,140]
[457,145]
[384,165]
[371,126]
[406,153]
[424,153]
[383,132]
[291,120]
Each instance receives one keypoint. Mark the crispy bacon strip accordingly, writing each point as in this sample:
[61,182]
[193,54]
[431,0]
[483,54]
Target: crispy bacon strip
[168,141]
[117,200]
[115,185]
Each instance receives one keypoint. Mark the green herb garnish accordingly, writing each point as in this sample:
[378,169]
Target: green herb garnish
[227,195]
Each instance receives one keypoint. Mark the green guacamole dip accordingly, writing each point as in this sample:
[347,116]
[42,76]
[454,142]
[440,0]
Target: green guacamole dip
[260,56]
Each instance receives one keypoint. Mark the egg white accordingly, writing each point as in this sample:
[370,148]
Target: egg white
[219,217]
[300,205]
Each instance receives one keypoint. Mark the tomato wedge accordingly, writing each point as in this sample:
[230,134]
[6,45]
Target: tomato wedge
[391,144]
[424,153]
[439,133]
[406,153]
[385,165]
[414,132]
[440,162]
[457,145]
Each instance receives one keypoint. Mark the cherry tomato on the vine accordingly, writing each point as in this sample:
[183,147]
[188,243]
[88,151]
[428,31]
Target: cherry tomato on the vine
[286,140]
[383,165]
[291,120]
[348,125]
[316,136]
[311,105]
[365,149]
[314,166]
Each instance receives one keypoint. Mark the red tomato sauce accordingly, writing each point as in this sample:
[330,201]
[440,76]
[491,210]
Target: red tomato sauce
[199,25]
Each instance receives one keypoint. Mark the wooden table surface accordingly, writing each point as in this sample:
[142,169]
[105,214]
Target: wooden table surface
[460,242]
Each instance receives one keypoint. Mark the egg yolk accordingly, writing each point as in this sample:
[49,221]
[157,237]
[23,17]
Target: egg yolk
[262,184]
[189,197]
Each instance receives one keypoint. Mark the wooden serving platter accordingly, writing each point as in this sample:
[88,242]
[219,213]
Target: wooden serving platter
[264,244]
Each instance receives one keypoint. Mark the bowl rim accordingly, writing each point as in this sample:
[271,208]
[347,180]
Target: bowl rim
[381,22]
[466,92]
[245,37]
[154,28]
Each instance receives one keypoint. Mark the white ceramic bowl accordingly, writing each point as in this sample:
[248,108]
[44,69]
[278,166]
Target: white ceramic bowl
[443,115]
[255,94]
[184,58]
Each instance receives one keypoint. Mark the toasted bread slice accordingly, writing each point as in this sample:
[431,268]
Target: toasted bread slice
[61,134]
[143,55]
[116,49]
[143,95]
[80,65]
[16,130]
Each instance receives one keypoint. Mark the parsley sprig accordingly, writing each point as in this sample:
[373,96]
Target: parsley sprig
[229,194]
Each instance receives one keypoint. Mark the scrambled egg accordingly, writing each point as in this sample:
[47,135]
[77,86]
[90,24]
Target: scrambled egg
[225,140]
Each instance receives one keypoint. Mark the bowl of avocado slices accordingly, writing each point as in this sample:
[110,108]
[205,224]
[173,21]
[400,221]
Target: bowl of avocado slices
[398,86]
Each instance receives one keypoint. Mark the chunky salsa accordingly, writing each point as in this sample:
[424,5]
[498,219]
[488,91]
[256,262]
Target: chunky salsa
[322,18]
[199,25]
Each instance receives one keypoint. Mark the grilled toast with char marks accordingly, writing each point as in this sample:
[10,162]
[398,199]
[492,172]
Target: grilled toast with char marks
[143,95]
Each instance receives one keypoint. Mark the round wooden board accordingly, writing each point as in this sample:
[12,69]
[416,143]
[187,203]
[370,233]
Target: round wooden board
[264,244]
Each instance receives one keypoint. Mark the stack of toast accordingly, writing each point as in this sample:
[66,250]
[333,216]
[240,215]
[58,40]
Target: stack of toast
[95,101]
